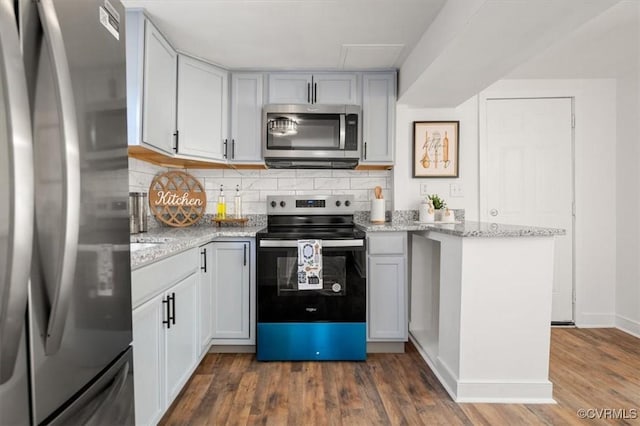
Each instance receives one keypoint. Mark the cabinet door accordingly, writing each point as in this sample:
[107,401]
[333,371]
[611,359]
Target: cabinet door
[148,361]
[337,89]
[181,338]
[159,100]
[387,299]
[230,296]
[378,117]
[246,117]
[204,297]
[202,108]
[289,88]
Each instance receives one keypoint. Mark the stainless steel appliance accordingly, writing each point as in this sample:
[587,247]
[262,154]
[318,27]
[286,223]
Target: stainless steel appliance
[65,290]
[311,136]
[327,323]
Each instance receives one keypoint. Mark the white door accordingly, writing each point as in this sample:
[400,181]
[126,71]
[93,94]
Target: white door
[148,360]
[230,294]
[202,109]
[336,89]
[246,117]
[528,178]
[182,346]
[159,107]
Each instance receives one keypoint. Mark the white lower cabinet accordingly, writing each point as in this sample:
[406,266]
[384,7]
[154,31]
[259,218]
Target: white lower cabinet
[204,297]
[387,294]
[233,295]
[165,323]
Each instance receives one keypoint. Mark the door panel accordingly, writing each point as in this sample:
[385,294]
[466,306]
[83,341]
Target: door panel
[230,295]
[97,324]
[182,338]
[528,179]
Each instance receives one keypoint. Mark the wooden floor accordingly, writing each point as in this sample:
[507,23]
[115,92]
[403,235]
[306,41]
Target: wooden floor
[591,369]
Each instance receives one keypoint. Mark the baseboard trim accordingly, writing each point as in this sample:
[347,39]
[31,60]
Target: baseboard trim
[595,320]
[385,347]
[232,349]
[628,325]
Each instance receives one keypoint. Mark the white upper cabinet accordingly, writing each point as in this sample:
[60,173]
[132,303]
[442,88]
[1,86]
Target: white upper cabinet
[322,88]
[159,99]
[378,117]
[202,109]
[246,117]
[340,89]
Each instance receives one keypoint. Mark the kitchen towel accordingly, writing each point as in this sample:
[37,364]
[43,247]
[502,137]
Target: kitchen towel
[309,264]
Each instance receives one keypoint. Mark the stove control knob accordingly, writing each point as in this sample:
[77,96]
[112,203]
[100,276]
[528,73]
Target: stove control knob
[347,203]
[282,204]
[338,203]
[273,204]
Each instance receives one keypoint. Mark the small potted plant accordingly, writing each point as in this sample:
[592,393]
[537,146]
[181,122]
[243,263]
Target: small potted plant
[439,205]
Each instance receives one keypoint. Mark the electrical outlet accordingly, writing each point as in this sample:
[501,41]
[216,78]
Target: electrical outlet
[424,190]
[455,190]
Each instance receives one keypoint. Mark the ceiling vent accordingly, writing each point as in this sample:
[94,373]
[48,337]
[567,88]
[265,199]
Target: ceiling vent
[370,56]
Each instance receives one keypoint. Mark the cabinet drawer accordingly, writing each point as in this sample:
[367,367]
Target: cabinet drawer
[387,243]
[150,280]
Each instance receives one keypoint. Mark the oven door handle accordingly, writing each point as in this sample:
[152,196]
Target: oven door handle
[325,243]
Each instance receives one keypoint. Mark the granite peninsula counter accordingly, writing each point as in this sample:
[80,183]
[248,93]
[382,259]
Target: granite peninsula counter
[480,306]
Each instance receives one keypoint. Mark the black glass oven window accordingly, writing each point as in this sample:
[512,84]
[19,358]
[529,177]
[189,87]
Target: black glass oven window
[334,279]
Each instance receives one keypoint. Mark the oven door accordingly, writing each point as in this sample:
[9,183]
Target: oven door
[342,298]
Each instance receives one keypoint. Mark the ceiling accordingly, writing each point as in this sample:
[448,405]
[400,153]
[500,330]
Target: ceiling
[605,47]
[294,34]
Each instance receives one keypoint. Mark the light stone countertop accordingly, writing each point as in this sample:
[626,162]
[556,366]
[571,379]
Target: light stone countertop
[463,229]
[169,241]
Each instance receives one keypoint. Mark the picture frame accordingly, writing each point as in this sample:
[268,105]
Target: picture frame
[436,149]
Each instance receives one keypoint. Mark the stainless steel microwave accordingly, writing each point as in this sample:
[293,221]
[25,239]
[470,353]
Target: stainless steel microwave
[311,136]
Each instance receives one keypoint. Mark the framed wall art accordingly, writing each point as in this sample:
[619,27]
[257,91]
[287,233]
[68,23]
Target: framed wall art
[435,149]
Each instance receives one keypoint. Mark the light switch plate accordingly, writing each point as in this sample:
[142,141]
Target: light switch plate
[424,189]
[455,190]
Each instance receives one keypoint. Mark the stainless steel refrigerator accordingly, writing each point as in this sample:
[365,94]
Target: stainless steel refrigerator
[65,281]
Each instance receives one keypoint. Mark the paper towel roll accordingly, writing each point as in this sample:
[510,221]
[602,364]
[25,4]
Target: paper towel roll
[377,210]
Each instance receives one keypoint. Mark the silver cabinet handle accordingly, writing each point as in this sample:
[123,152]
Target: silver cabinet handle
[71,177]
[17,147]
[493,212]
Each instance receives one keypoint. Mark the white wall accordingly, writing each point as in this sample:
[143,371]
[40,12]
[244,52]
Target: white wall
[628,191]
[595,178]
[407,188]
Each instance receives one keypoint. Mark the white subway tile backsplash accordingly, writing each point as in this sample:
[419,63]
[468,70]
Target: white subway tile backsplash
[346,173]
[259,184]
[295,183]
[256,185]
[368,183]
[331,183]
[242,173]
[278,173]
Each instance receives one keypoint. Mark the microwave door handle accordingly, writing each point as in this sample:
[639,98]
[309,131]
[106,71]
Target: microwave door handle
[343,131]
[71,168]
[17,146]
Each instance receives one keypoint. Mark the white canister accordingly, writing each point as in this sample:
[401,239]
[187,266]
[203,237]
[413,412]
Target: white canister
[426,212]
[448,216]
[377,210]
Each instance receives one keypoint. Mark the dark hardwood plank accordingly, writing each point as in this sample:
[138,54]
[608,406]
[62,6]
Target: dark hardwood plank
[590,369]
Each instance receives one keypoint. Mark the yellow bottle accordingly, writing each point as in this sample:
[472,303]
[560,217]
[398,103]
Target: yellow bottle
[221,210]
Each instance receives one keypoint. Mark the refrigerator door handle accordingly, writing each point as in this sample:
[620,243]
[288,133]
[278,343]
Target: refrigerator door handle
[19,147]
[71,185]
